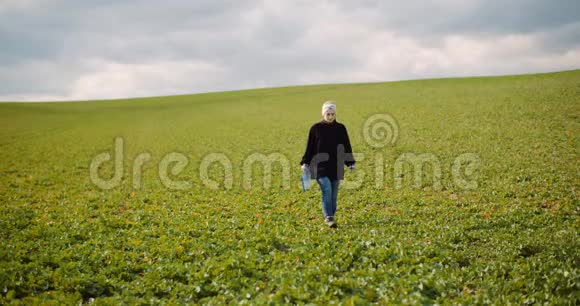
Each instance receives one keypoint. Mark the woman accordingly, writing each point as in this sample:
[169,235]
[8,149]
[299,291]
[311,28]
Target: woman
[327,151]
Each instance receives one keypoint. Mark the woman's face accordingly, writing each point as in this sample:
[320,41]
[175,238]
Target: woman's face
[329,116]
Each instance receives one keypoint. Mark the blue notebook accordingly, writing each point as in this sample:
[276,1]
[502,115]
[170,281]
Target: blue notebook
[306,179]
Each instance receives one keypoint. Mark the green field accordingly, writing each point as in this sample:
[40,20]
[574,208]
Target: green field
[514,238]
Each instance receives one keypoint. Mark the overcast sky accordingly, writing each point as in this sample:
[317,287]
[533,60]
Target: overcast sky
[77,50]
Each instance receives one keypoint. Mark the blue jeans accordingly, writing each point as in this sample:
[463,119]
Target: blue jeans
[329,190]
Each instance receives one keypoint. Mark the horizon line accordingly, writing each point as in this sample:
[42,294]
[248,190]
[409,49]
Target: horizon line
[287,86]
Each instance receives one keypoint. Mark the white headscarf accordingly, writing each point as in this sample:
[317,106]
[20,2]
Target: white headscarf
[327,106]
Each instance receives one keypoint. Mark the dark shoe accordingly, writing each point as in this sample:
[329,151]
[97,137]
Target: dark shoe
[330,222]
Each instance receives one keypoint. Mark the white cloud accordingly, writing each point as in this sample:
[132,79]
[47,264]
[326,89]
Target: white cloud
[147,79]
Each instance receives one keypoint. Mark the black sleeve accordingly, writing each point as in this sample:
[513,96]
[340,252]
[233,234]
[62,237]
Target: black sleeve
[348,150]
[310,147]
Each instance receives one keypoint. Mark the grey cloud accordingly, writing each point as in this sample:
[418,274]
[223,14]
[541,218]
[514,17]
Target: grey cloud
[521,16]
[455,16]
[562,39]
[106,28]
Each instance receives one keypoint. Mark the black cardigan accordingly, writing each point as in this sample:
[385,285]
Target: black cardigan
[327,150]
